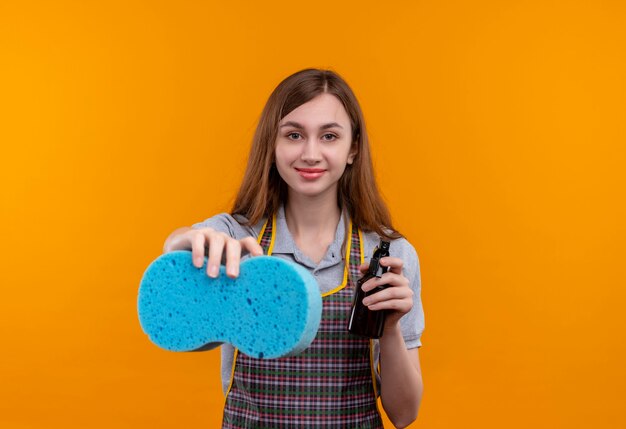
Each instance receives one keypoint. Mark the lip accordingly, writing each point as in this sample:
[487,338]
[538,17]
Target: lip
[310,173]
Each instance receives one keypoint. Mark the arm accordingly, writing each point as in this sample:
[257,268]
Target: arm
[400,372]
[401,378]
[168,240]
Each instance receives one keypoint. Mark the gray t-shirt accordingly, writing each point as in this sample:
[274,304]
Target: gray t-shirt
[329,272]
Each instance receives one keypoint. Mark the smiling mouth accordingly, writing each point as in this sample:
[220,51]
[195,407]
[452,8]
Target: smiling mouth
[310,173]
[311,170]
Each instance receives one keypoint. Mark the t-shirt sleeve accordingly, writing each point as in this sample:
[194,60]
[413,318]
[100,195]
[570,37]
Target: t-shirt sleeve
[412,323]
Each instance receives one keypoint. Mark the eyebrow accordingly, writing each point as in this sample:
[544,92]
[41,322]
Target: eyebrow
[300,126]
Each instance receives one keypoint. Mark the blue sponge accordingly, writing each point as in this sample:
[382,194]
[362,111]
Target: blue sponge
[272,309]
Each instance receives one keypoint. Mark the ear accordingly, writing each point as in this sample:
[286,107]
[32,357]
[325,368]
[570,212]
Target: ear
[352,154]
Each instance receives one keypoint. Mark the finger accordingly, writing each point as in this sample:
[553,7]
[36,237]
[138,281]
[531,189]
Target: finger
[198,247]
[251,245]
[233,256]
[400,305]
[216,247]
[395,264]
[387,279]
[369,285]
[388,294]
[364,267]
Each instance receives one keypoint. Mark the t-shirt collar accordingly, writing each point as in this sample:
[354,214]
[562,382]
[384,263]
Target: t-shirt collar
[284,242]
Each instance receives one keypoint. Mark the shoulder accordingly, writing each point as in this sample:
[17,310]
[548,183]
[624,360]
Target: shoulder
[233,225]
[399,248]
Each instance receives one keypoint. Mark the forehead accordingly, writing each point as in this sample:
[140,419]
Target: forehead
[322,109]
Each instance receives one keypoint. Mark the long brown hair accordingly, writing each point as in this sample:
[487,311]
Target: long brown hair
[262,189]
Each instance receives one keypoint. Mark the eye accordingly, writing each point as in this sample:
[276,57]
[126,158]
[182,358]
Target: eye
[329,137]
[289,136]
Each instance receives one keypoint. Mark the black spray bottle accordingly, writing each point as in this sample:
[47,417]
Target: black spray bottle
[363,321]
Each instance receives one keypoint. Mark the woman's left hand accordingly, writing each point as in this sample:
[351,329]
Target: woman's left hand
[397,298]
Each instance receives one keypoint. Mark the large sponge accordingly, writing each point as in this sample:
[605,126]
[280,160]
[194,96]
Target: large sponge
[272,309]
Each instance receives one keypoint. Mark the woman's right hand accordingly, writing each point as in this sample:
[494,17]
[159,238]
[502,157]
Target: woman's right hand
[198,240]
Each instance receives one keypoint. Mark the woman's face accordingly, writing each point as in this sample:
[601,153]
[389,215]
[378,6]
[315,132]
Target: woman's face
[313,146]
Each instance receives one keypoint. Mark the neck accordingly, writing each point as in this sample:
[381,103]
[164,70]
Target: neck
[312,217]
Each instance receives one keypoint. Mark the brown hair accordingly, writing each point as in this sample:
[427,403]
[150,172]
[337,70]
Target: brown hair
[262,189]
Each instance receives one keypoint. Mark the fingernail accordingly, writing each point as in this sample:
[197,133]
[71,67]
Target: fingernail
[213,271]
[199,261]
[366,301]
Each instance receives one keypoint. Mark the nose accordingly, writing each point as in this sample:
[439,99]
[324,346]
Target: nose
[311,153]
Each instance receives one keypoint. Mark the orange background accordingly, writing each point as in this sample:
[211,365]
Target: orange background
[498,130]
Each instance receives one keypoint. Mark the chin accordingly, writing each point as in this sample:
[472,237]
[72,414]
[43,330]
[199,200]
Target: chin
[310,191]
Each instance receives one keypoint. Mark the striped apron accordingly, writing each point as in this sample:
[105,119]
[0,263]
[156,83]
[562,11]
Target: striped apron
[330,385]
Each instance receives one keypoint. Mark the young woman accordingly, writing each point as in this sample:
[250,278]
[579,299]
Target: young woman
[309,195]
